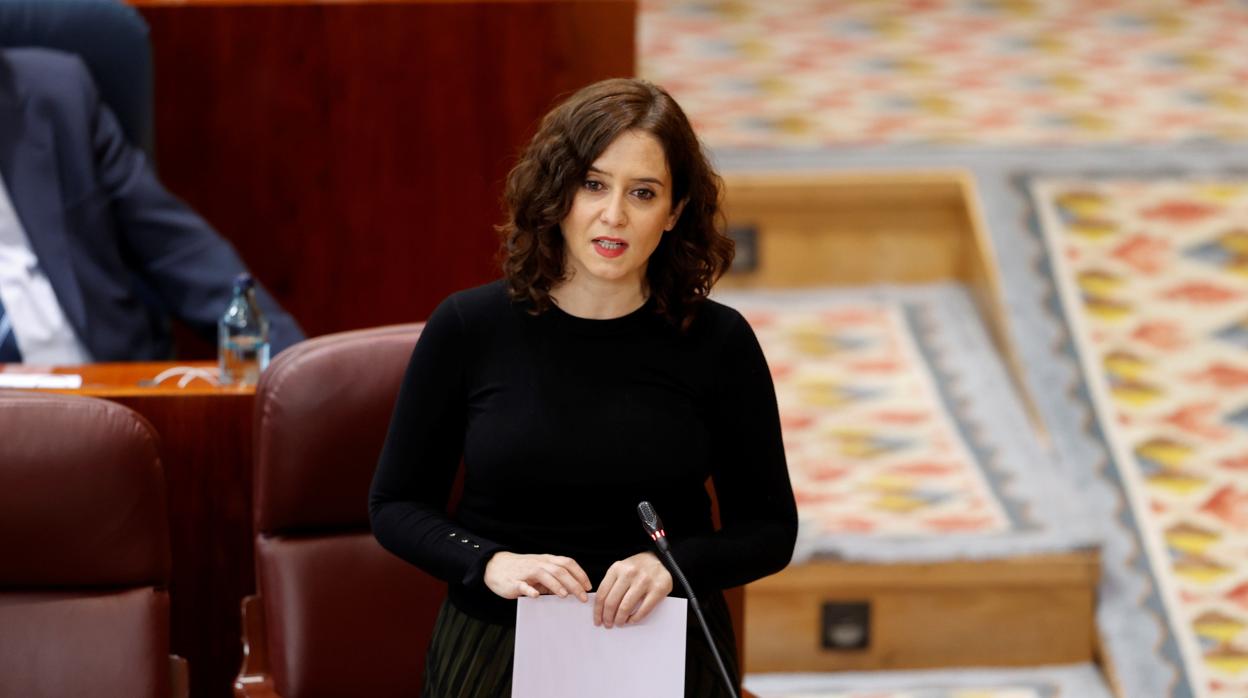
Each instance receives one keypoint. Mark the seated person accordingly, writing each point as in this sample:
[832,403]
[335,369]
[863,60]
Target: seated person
[95,255]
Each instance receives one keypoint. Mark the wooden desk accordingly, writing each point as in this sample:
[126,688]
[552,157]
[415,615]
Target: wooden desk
[205,445]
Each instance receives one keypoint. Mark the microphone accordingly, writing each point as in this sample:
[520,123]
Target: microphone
[653,526]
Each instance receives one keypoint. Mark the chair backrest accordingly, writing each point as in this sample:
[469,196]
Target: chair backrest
[85,547]
[112,40]
[343,616]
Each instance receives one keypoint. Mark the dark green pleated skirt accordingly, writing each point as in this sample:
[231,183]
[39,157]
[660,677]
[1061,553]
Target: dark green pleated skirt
[470,658]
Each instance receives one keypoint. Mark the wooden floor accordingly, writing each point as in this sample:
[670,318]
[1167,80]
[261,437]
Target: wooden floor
[1025,611]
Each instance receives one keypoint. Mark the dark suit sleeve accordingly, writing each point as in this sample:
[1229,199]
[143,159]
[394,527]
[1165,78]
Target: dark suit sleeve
[188,266]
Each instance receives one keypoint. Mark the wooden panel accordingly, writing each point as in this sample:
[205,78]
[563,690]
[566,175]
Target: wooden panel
[850,229]
[354,152]
[1018,612]
[206,449]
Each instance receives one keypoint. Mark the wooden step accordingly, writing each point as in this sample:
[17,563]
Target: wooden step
[1025,611]
[867,228]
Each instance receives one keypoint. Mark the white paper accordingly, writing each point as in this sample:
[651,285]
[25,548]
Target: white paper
[56,381]
[560,654]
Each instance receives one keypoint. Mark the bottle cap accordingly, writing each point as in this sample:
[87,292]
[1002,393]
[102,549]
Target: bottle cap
[243,282]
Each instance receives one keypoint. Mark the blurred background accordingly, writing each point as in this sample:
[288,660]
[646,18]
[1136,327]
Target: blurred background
[996,252]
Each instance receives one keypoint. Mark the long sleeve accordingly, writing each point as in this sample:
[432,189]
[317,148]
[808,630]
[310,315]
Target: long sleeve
[418,464]
[757,510]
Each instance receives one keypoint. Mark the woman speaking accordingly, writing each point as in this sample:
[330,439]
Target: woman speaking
[596,374]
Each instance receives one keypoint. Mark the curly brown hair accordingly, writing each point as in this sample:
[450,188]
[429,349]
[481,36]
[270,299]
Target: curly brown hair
[541,187]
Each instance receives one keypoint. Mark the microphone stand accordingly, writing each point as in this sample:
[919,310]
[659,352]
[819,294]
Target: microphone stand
[653,525]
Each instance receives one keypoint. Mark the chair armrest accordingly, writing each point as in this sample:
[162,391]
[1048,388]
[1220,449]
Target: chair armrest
[179,678]
[254,680]
[747,694]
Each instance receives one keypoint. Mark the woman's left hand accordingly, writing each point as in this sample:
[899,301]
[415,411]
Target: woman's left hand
[631,589]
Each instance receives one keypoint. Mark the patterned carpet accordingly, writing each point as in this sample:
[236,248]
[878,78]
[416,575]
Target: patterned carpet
[904,437]
[1079,681]
[1141,637]
[1114,92]
[813,73]
[1153,280]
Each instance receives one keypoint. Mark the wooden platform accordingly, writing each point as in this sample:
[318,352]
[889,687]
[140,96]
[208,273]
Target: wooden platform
[1025,611]
[854,229]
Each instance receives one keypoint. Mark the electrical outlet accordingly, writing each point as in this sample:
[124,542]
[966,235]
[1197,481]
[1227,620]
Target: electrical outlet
[746,239]
[846,625]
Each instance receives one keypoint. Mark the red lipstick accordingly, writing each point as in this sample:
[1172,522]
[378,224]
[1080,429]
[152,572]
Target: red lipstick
[609,247]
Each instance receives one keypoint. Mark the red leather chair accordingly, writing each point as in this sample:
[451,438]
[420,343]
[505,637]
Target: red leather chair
[335,614]
[84,540]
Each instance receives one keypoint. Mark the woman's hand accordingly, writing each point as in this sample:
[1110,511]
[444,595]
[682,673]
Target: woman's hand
[631,589]
[511,576]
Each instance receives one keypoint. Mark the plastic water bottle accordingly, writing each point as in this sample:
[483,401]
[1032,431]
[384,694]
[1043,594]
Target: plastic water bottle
[243,336]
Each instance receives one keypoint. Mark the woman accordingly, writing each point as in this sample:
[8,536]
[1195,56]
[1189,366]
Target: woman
[595,375]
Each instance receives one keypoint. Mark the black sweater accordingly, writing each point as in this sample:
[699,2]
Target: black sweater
[564,424]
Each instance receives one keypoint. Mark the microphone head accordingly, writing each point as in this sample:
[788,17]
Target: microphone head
[649,518]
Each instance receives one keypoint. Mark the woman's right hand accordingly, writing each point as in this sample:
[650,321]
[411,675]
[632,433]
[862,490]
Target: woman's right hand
[511,576]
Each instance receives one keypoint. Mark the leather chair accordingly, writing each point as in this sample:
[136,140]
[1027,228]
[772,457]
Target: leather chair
[84,606]
[110,37]
[335,614]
